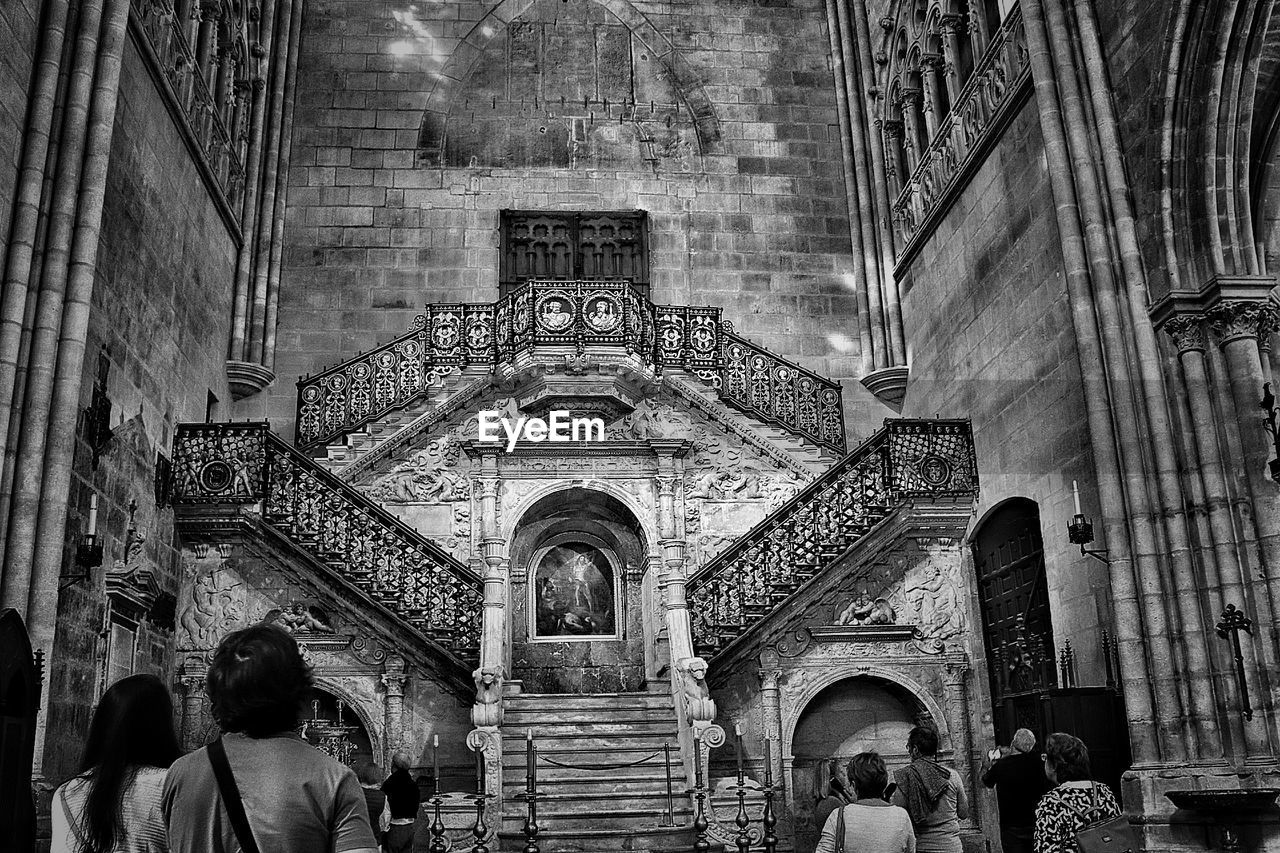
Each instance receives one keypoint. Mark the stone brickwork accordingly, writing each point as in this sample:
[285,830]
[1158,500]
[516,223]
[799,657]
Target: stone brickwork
[745,195]
[990,336]
[161,307]
[19,30]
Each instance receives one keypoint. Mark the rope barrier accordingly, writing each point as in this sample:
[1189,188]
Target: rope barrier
[570,766]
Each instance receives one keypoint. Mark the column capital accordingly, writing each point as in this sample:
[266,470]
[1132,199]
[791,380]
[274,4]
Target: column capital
[1236,319]
[1187,331]
[1231,307]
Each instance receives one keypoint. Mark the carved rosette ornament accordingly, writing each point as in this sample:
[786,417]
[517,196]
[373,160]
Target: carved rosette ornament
[1188,333]
[1231,321]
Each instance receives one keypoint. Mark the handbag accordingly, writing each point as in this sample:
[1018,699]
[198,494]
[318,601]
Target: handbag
[840,830]
[1109,835]
[231,796]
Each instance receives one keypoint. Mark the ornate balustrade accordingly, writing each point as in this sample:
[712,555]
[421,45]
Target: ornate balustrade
[212,97]
[556,318]
[809,533]
[409,575]
[972,124]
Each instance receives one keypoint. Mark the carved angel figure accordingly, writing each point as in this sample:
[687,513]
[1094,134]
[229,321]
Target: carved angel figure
[699,707]
[212,608]
[864,611]
[300,618]
[936,599]
[487,711]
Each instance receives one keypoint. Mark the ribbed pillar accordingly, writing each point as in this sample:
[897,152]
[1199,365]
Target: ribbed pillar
[236,350]
[270,170]
[771,698]
[23,224]
[1181,672]
[1224,575]
[282,192]
[859,270]
[393,680]
[46,324]
[1129,622]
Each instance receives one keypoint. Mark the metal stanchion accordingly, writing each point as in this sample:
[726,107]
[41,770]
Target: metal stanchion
[700,823]
[531,796]
[742,821]
[480,830]
[668,819]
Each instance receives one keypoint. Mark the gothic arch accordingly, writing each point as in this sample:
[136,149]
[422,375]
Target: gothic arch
[452,78]
[794,710]
[1218,135]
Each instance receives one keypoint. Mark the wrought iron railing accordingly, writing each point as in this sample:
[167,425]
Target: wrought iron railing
[568,316]
[811,531]
[367,546]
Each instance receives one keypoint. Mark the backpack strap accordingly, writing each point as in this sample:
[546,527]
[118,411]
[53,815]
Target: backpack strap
[231,796]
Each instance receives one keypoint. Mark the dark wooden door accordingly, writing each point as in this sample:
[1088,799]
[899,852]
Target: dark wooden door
[19,702]
[1017,632]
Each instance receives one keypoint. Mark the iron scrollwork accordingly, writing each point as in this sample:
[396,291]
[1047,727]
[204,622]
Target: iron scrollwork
[811,531]
[246,463]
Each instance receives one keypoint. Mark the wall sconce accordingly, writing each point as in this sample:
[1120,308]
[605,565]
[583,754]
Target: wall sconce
[88,549]
[1271,412]
[1080,530]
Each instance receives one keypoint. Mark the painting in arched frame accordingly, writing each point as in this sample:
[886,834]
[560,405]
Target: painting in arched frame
[574,593]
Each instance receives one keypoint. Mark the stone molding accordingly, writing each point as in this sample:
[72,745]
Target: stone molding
[1231,308]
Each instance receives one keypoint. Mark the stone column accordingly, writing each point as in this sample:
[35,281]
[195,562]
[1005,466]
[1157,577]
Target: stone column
[771,697]
[393,679]
[955,690]
[1224,573]
[493,639]
[191,686]
[953,29]
[912,116]
[671,540]
[1238,325]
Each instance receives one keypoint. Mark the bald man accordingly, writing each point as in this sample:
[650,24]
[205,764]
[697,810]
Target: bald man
[1019,780]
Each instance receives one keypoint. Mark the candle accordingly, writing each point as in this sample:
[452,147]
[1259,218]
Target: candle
[697,761]
[528,754]
[435,760]
[768,764]
[93,514]
[340,709]
[1075,493]
[737,740]
[479,771]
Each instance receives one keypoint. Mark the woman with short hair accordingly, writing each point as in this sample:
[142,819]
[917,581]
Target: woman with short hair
[1076,802]
[932,793]
[113,805]
[868,824]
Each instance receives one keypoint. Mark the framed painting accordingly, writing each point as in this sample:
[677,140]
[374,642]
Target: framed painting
[574,594]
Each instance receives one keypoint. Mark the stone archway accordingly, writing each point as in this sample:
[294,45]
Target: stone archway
[577,623]
[851,714]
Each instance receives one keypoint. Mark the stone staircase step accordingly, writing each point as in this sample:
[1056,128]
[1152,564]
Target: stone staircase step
[655,840]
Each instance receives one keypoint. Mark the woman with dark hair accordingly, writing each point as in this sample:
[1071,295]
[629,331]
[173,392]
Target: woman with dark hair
[113,806]
[1076,802]
[868,824]
[260,785]
[932,793]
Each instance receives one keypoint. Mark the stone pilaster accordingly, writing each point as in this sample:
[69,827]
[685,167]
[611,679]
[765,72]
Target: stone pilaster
[394,679]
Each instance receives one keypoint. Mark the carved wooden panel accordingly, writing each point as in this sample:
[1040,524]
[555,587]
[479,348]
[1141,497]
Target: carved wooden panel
[564,246]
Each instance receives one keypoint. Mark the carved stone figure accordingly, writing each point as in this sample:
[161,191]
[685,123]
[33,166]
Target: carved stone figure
[722,474]
[427,477]
[300,618]
[655,421]
[487,710]
[936,599]
[864,611]
[211,608]
[699,707]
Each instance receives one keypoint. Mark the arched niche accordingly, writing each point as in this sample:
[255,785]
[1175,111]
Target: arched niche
[577,621]
[853,714]
[324,705]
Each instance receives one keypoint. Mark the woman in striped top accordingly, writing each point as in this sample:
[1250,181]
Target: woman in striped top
[113,805]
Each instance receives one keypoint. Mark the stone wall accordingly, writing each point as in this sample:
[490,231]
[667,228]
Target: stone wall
[990,337]
[725,134]
[158,323]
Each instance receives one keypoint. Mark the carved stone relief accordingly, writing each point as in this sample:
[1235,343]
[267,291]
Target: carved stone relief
[212,603]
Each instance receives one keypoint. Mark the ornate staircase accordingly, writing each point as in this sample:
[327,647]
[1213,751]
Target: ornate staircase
[745,584]
[516,333]
[355,542]
[599,755]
